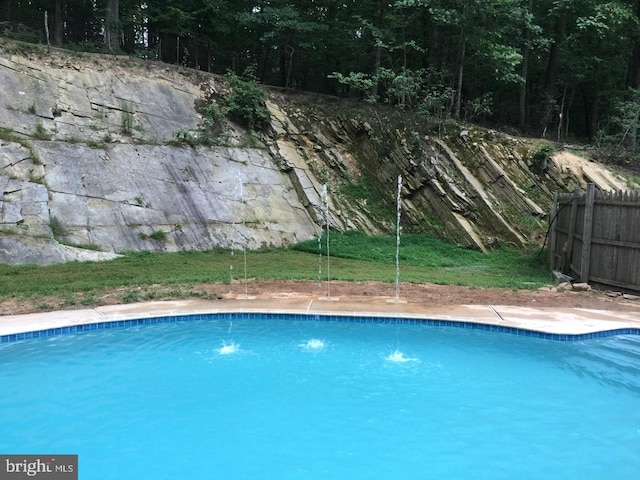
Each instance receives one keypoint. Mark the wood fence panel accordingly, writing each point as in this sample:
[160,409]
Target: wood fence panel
[596,237]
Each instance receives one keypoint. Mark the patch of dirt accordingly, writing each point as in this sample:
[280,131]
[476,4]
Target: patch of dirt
[431,294]
[421,294]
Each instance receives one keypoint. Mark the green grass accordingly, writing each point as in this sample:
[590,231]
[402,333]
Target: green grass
[425,259]
[353,257]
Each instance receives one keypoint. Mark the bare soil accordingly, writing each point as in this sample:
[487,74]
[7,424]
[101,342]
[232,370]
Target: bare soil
[422,294]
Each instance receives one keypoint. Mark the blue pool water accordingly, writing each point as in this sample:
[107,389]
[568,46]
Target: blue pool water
[295,399]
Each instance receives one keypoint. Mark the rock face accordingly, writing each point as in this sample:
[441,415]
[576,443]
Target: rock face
[87,161]
[476,188]
[142,197]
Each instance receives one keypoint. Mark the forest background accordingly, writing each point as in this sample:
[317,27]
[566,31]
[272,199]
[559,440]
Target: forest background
[566,70]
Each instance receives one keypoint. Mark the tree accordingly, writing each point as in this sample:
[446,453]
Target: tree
[281,28]
[5,10]
[112,25]
[58,21]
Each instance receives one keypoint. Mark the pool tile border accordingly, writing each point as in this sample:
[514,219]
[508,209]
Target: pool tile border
[109,324]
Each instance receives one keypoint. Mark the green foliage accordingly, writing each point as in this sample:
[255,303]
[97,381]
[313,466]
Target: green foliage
[57,229]
[541,157]
[127,117]
[246,104]
[435,106]
[158,235]
[25,45]
[473,59]
[185,136]
[617,140]
[213,124]
[358,81]
[479,107]
[88,300]
[440,262]
[95,144]
[130,297]
[140,201]
[367,192]
[632,181]
[69,301]
[403,88]
[41,132]
[10,136]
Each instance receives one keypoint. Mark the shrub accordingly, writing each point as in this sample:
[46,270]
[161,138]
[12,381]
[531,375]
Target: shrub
[127,118]
[158,235]
[246,104]
[541,156]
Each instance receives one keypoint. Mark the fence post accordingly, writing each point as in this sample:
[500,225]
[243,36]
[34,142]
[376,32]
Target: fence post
[585,257]
[552,231]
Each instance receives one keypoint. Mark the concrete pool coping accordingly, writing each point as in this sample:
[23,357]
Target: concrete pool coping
[560,321]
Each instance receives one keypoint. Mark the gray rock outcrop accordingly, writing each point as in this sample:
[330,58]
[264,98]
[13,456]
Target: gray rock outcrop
[89,167]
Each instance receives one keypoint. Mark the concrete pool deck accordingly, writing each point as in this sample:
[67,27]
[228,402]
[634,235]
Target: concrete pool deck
[563,321]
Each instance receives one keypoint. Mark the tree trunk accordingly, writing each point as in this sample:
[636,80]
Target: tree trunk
[58,22]
[112,25]
[129,33]
[524,71]
[283,66]
[376,70]
[552,68]
[522,101]
[265,63]
[382,7]
[153,35]
[5,10]
[633,81]
[457,105]
[591,103]
[633,73]
[290,66]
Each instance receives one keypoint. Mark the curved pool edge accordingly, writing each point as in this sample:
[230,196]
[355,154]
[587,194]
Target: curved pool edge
[549,323]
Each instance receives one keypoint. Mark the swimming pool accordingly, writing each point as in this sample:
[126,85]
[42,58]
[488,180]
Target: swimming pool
[251,397]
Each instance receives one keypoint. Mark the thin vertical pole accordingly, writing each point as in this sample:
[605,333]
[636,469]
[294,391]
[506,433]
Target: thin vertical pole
[398,227]
[326,220]
[244,245]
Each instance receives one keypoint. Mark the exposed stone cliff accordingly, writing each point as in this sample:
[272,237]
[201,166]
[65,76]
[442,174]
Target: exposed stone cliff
[86,160]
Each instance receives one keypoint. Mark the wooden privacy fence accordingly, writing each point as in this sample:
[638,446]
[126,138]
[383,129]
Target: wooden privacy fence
[594,237]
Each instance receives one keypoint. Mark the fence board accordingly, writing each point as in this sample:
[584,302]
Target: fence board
[595,237]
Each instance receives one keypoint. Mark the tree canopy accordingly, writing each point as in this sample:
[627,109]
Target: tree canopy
[556,68]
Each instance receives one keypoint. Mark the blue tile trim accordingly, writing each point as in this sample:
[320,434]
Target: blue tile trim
[315,317]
